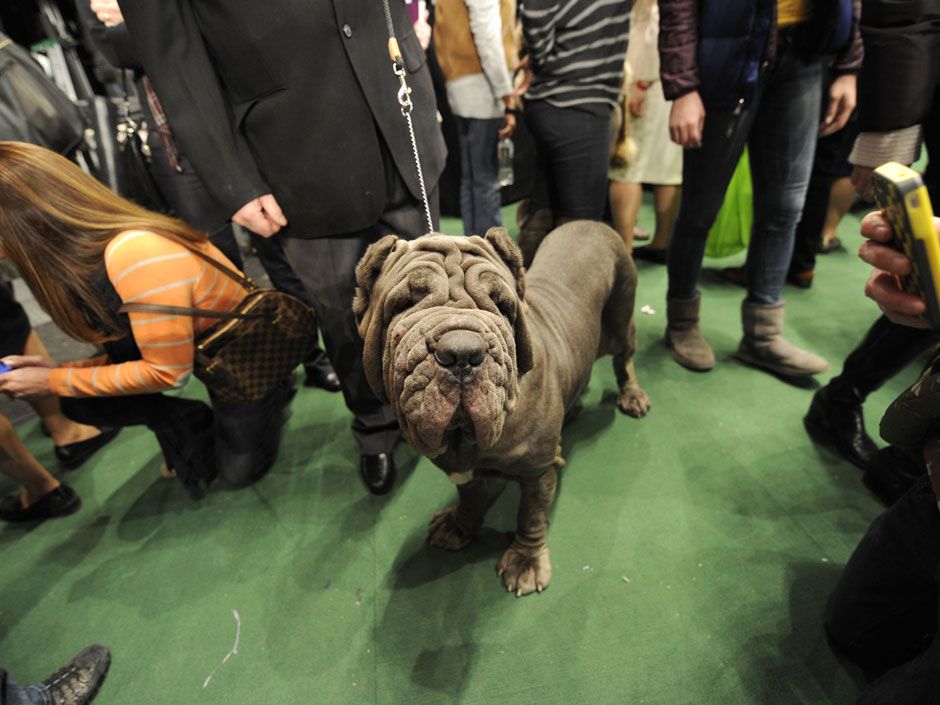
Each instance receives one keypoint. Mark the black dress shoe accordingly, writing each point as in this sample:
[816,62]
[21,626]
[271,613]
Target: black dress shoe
[324,379]
[72,455]
[650,254]
[62,501]
[891,472]
[378,472]
[78,681]
[840,425]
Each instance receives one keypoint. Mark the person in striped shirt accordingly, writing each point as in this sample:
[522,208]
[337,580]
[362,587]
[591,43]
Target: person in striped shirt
[84,252]
[576,51]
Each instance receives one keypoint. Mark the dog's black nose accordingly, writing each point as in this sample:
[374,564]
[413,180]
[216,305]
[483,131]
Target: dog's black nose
[460,351]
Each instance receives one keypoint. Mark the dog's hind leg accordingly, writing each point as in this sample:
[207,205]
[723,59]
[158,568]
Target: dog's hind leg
[455,527]
[525,566]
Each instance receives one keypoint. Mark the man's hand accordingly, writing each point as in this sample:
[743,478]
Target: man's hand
[107,11]
[842,94]
[509,118]
[25,382]
[509,126]
[262,215]
[687,120]
[861,179]
[17,361]
[884,285]
[524,68]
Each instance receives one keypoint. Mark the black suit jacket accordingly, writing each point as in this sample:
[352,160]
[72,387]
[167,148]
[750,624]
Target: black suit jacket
[290,97]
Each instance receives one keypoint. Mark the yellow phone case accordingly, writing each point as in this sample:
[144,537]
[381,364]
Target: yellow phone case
[901,194]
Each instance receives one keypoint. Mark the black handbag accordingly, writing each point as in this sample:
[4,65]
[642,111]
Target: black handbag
[32,108]
[135,182]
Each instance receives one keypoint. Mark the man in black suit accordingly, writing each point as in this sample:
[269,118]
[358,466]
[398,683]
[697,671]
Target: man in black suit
[288,112]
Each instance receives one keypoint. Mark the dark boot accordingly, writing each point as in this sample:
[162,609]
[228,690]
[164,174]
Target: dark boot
[840,425]
[835,416]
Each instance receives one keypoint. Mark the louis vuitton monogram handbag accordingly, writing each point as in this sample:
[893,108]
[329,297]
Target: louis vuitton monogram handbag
[243,356]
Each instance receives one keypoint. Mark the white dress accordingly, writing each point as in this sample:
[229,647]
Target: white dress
[658,159]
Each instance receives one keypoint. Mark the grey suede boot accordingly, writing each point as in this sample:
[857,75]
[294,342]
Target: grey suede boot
[764,346]
[683,337]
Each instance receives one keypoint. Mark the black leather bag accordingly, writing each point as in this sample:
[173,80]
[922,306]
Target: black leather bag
[32,108]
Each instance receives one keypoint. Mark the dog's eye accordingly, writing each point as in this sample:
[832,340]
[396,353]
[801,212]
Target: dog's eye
[506,306]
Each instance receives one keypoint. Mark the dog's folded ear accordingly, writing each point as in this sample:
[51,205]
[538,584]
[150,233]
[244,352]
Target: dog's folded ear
[367,272]
[367,309]
[507,250]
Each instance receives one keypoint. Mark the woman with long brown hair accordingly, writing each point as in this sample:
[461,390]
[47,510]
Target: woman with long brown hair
[84,252]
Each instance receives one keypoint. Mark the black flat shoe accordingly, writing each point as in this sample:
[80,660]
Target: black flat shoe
[62,501]
[378,472]
[841,426]
[79,680]
[72,455]
[324,379]
[648,254]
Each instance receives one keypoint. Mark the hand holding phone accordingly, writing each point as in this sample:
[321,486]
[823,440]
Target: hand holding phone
[905,204]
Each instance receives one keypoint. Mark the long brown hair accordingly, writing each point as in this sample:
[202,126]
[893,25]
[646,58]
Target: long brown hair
[55,223]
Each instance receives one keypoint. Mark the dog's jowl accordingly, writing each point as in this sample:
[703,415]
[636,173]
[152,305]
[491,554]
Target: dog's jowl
[481,361]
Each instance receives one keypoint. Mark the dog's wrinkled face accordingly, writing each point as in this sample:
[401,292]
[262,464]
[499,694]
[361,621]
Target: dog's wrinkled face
[443,322]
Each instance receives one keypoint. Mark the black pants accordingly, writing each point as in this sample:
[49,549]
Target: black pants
[573,154]
[327,268]
[236,442]
[883,613]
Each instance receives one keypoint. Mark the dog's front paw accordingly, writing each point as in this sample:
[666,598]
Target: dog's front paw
[634,402]
[446,532]
[522,572]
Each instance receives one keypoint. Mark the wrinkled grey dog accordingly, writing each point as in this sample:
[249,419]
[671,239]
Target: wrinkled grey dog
[482,361]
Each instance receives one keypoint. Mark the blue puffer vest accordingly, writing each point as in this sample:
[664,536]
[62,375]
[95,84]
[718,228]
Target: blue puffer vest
[734,37]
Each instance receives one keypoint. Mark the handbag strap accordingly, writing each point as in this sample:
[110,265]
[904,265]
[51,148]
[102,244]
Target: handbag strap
[183,311]
[246,282]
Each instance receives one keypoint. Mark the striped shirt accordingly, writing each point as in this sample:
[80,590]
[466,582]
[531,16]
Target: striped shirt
[146,268]
[576,49]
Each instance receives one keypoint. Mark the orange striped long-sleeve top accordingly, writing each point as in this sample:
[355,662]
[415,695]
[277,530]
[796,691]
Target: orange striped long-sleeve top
[147,268]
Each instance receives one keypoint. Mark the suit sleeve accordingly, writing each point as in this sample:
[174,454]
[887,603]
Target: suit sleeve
[678,47]
[172,51]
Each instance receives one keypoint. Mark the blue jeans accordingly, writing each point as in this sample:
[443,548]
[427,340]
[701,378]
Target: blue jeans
[479,166]
[779,128]
[11,693]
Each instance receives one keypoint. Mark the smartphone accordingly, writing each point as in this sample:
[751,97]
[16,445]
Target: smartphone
[4,368]
[901,194]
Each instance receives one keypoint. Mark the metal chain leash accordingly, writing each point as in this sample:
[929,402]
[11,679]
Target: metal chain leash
[404,101]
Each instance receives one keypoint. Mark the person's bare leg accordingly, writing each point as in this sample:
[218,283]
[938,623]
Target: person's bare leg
[841,199]
[17,463]
[625,201]
[666,200]
[63,430]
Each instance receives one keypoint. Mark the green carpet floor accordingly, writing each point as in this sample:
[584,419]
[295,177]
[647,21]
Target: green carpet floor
[693,551]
